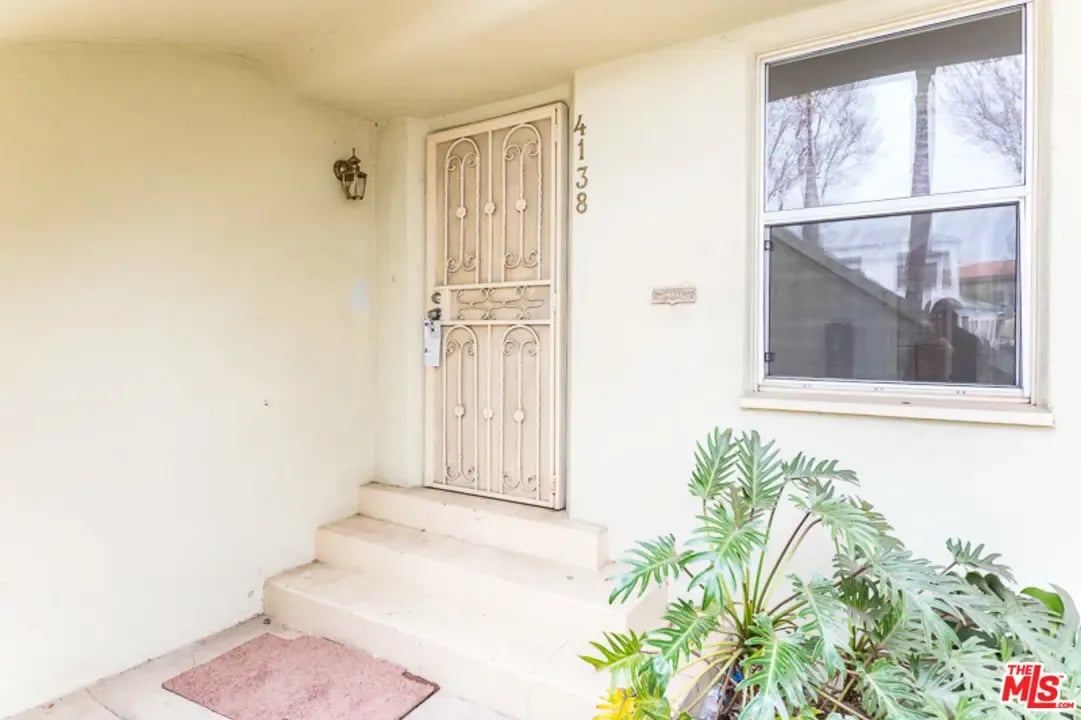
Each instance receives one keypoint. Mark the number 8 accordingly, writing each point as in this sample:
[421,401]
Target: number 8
[581,207]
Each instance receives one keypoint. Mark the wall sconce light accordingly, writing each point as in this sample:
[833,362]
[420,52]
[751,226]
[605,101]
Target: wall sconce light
[350,176]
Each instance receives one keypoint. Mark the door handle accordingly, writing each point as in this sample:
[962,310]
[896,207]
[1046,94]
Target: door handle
[433,338]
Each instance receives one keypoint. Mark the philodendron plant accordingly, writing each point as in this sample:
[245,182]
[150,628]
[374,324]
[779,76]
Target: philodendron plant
[887,635]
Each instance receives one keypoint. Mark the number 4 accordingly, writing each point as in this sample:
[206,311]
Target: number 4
[579,127]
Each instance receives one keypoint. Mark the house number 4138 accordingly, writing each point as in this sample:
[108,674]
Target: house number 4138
[581,203]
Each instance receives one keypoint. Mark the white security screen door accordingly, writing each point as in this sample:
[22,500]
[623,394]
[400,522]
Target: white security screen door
[495,269]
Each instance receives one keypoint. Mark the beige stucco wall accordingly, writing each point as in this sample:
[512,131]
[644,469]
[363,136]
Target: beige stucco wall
[184,363]
[399,294]
[669,149]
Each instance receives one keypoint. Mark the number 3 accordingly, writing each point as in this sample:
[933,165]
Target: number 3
[583,181]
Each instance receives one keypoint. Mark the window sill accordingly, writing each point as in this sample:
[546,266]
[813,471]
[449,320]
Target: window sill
[949,410]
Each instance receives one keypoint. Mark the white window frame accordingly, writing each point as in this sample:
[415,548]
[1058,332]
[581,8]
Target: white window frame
[1022,195]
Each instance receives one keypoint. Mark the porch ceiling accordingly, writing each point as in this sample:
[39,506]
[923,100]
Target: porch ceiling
[398,57]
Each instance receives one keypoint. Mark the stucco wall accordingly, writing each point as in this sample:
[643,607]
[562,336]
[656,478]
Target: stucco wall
[399,294]
[669,149]
[184,367]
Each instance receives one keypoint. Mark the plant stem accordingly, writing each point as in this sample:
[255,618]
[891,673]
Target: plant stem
[706,657]
[839,704]
[758,572]
[758,600]
[787,560]
[855,676]
[762,555]
[748,607]
[723,643]
[792,554]
[727,662]
[847,689]
[717,646]
[774,614]
[739,626]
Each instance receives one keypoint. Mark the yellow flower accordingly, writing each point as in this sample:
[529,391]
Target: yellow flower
[619,705]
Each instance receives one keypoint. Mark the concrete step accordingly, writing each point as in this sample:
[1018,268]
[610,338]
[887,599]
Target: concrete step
[480,574]
[521,529]
[526,669]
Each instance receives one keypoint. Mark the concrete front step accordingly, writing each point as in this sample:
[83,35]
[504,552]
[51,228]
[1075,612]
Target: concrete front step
[521,529]
[528,670]
[527,587]
[493,601]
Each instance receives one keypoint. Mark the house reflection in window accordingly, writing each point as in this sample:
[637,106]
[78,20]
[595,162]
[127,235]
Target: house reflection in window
[840,349]
[836,310]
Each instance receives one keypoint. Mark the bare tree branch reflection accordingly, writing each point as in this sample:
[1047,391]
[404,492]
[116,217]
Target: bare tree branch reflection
[986,99]
[816,139]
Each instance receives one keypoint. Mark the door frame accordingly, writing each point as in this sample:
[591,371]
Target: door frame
[556,168]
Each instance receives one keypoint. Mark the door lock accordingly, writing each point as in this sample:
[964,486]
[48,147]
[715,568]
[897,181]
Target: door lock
[433,337]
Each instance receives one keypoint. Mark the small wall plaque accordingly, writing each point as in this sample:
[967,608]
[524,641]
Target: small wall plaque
[680,295]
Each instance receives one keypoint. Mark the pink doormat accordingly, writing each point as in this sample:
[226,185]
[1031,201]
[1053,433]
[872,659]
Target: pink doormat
[271,678]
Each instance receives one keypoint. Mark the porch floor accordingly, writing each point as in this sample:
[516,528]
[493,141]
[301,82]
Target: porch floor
[137,693]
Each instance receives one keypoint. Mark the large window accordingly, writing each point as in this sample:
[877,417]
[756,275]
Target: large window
[896,180]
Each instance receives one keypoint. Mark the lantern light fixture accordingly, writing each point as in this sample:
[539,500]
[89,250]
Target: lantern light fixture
[351,177]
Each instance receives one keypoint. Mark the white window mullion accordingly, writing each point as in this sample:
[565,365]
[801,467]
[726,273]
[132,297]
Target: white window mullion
[899,206]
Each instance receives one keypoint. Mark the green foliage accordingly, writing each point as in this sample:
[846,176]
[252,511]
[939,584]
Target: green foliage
[802,468]
[713,465]
[887,691]
[649,690]
[888,636]
[823,621]
[928,595]
[1053,601]
[651,562]
[722,545]
[854,526]
[778,670]
[761,473]
[620,654]
[966,555]
[688,627]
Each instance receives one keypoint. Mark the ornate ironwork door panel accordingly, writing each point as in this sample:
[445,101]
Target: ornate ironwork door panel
[495,267]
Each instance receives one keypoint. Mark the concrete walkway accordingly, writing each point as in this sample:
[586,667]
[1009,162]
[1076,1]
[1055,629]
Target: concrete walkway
[137,694]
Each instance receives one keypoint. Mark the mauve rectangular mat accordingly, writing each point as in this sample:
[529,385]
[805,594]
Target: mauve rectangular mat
[271,678]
